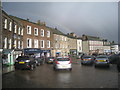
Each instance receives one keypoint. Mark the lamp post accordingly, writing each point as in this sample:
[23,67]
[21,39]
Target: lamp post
[1,44]
[1,29]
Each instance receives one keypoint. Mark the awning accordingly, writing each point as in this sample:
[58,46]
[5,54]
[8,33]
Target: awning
[7,51]
[32,50]
[48,51]
[57,52]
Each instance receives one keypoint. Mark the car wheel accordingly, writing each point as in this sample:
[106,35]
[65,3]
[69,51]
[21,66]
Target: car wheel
[95,66]
[70,69]
[31,67]
[108,66]
[16,68]
[55,69]
[35,65]
[82,63]
[38,64]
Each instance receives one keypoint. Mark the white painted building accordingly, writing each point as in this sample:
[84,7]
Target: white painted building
[79,46]
[115,48]
[95,46]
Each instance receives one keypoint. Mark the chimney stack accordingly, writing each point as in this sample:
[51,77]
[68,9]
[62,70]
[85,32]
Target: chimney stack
[38,22]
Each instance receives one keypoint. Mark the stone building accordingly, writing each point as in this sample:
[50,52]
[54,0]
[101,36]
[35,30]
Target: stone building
[79,46]
[92,44]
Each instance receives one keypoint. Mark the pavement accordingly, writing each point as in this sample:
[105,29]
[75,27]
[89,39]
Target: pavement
[7,69]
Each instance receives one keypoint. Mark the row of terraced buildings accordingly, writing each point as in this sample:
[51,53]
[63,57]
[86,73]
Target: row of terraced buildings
[24,37]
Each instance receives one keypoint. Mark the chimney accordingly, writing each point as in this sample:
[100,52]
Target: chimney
[55,28]
[43,23]
[27,19]
[38,22]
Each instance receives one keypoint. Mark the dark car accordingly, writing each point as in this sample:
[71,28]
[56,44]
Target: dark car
[114,58]
[118,63]
[40,60]
[25,62]
[50,59]
[87,60]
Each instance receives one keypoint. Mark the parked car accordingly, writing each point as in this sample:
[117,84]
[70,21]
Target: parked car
[87,60]
[40,60]
[25,62]
[62,63]
[102,60]
[50,59]
[114,58]
[118,63]
[80,55]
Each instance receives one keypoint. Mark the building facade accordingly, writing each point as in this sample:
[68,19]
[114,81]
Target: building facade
[106,47]
[92,44]
[72,45]
[60,45]
[10,47]
[36,36]
[79,46]
[115,48]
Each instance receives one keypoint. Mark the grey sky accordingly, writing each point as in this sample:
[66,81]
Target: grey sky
[91,18]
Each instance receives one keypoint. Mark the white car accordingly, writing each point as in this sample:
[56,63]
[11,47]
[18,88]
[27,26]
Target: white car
[62,63]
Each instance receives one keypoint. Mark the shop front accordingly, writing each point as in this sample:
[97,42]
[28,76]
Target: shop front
[33,52]
[7,57]
[17,53]
[73,51]
[46,53]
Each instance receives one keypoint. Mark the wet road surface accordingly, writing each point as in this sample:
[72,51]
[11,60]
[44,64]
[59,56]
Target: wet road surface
[81,76]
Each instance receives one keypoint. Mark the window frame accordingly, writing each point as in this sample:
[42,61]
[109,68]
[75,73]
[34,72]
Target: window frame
[30,43]
[10,26]
[48,33]
[29,30]
[36,34]
[48,43]
[42,32]
[5,23]
[42,44]
[36,43]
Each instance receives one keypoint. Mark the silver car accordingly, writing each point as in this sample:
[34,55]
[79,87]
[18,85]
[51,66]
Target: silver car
[102,60]
[62,63]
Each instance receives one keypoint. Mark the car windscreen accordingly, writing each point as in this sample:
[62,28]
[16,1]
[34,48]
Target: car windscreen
[87,57]
[23,58]
[63,59]
[50,57]
[102,57]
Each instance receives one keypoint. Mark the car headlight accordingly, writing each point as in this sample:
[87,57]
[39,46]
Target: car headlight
[27,61]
